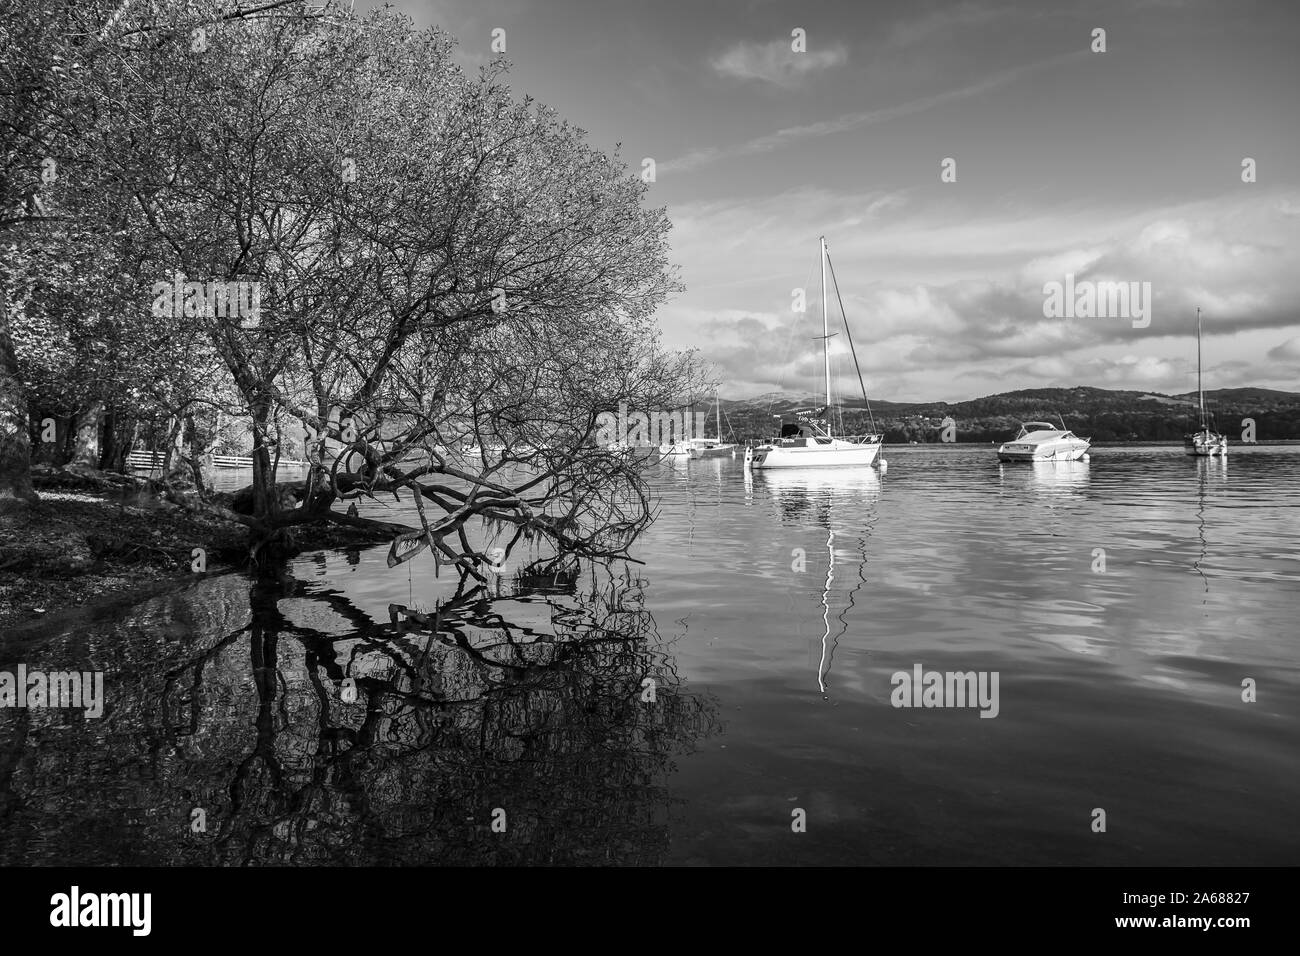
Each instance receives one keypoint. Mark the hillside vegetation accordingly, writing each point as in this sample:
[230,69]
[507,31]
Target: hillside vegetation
[1097,413]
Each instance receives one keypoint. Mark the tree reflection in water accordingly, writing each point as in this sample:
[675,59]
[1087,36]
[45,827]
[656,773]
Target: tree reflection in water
[529,700]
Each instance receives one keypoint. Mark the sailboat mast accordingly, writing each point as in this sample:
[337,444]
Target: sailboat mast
[826,334]
[1200,393]
[717,403]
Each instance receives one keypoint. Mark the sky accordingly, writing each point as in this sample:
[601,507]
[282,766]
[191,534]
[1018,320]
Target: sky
[1117,166]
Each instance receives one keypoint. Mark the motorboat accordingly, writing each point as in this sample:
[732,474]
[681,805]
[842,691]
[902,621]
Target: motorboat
[1205,442]
[809,442]
[1043,441]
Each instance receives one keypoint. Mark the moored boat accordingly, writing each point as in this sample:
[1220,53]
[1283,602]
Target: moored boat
[809,443]
[1205,442]
[1043,441]
[712,447]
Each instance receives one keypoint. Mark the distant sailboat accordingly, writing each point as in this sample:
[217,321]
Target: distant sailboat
[810,444]
[1205,442]
[678,447]
[711,447]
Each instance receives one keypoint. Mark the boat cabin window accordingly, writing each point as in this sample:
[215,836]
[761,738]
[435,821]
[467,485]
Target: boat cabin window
[800,434]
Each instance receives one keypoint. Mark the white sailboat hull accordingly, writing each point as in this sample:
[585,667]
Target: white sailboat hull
[1205,444]
[836,455]
[713,451]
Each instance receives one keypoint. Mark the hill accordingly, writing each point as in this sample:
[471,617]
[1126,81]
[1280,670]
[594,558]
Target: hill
[1098,413]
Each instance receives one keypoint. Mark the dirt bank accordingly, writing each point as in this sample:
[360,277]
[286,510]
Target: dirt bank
[83,541]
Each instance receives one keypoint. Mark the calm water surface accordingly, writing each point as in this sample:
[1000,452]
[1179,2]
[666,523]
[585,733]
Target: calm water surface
[770,615]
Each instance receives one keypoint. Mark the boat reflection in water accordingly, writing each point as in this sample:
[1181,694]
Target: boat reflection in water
[840,501]
[1049,479]
[1209,470]
[807,484]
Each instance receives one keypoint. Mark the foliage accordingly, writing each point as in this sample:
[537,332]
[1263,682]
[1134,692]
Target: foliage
[441,269]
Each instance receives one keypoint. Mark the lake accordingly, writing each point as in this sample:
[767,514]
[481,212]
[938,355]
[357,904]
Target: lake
[729,700]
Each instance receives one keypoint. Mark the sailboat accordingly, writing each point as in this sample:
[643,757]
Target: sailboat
[678,449]
[809,442]
[713,447]
[1205,442]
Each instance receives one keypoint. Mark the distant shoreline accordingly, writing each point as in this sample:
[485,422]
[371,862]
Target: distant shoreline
[1164,443]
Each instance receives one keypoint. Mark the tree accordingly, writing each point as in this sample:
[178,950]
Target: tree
[435,266]
[31,72]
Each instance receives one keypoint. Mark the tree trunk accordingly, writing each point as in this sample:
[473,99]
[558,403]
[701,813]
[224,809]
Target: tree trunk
[15,448]
[196,447]
[85,447]
[117,443]
[67,425]
[108,450]
[265,500]
[319,497]
[123,444]
[172,446]
[269,549]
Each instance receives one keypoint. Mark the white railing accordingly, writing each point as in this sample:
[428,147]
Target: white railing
[231,461]
[236,461]
[152,461]
[144,460]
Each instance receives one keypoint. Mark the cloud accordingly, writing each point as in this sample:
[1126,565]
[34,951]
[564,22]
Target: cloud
[939,293]
[775,62]
[961,16]
[851,121]
[1288,351]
